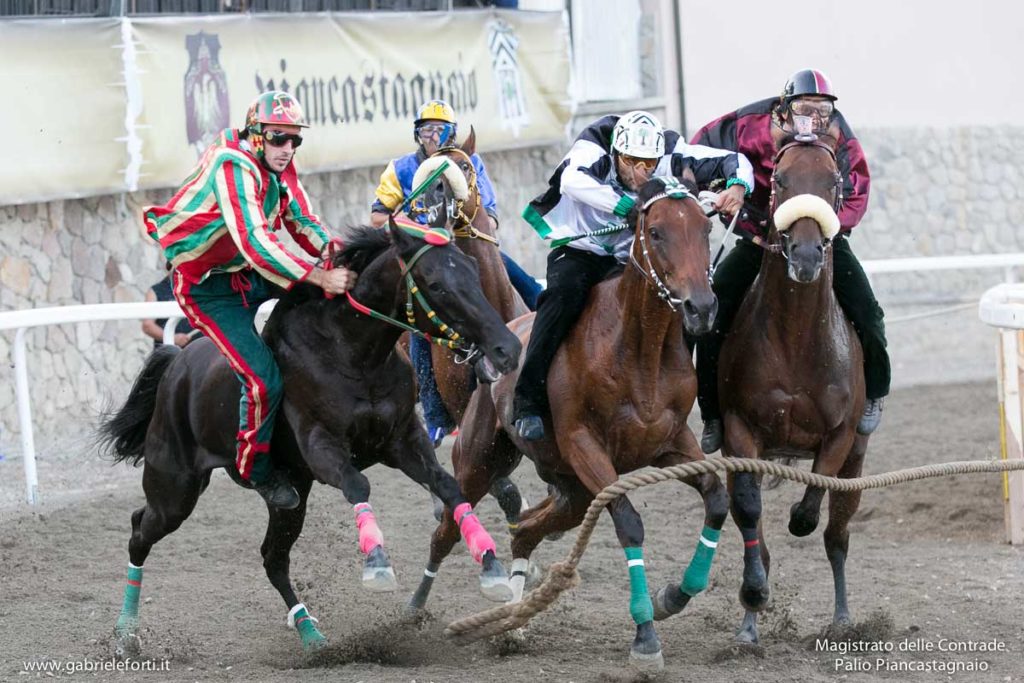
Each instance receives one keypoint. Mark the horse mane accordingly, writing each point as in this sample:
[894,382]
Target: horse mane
[363,243]
[655,186]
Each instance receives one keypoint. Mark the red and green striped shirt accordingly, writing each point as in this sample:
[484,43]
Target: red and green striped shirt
[232,213]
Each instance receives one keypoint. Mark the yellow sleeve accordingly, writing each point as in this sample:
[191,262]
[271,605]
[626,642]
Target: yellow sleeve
[389,191]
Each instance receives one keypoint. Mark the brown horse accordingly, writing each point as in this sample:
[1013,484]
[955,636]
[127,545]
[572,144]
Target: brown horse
[455,199]
[620,388]
[791,372]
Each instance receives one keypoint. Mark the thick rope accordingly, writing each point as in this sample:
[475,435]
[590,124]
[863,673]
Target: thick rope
[562,575]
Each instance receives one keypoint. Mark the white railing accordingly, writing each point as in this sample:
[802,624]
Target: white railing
[1003,308]
[25,319]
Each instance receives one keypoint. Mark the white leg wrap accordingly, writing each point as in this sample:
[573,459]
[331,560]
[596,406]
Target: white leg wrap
[517,579]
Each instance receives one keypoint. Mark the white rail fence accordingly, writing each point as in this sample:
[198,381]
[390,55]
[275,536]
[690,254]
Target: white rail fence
[23,320]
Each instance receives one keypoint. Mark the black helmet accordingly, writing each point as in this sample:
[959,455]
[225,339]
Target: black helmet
[808,82]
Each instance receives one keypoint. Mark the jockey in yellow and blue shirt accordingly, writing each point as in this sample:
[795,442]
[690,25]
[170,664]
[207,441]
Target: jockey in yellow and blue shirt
[436,127]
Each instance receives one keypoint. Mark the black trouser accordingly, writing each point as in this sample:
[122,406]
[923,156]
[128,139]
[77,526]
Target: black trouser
[571,275]
[733,278]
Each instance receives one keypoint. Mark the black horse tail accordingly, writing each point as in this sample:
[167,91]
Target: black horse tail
[123,433]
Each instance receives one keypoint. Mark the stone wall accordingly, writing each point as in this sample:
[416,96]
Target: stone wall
[935,192]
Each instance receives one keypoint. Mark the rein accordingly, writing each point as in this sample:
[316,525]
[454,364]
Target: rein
[433,238]
[463,223]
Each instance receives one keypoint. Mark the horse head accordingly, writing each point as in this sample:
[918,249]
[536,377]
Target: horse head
[807,191]
[672,251]
[452,199]
[451,302]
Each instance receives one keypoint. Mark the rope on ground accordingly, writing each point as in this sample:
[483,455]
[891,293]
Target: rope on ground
[563,576]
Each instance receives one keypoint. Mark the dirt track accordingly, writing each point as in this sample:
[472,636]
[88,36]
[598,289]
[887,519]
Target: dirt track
[927,563]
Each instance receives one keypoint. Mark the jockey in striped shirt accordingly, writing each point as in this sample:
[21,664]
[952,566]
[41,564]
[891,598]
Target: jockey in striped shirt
[238,230]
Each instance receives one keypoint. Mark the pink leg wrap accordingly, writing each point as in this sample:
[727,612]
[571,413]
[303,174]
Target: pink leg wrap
[369,533]
[477,539]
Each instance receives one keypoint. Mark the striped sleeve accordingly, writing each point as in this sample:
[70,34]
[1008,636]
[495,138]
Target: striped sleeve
[236,185]
[305,226]
[389,190]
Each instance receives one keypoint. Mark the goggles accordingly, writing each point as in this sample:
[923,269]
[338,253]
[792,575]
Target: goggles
[821,109]
[444,132]
[639,163]
[276,138]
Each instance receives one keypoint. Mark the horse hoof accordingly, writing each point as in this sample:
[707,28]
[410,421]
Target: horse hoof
[801,524]
[378,575]
[127,646]
[669,601]
[494,584]
[746,636]
[555,536]
[314,642]
[534,575]
[644,661]
[754,598]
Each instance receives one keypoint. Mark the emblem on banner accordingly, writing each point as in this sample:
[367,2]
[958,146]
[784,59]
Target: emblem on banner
[206,91]
[504,44]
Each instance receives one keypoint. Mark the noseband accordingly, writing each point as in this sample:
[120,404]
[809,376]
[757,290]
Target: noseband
[837,193]
[463,223]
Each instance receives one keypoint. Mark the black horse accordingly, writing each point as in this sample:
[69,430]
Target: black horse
[349,404]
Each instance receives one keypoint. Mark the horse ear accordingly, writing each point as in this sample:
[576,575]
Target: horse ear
[469,146]
[402,240]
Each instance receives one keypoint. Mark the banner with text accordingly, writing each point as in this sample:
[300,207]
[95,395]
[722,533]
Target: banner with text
[359,77]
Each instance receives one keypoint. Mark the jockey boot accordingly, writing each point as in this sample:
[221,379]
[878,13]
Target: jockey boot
[872,416]
[711,437]
[278,491]
[530,427]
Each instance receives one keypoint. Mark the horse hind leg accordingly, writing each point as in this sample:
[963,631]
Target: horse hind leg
[283,528]
[170,499]
[842,506]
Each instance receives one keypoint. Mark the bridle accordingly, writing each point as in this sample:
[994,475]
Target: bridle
[673,190]
[455,209]
[433,237]
[837,193]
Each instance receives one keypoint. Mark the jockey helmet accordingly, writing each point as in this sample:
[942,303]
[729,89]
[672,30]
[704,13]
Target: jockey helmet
[808,82]
[639,134]
[271,107]
[274,106]
[439,113]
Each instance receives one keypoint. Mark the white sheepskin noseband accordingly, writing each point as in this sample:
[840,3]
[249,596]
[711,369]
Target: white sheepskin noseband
[454,175]
[807,206]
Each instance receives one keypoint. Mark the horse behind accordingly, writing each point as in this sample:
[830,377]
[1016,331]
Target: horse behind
[620,387]
[791,376]
[348,404]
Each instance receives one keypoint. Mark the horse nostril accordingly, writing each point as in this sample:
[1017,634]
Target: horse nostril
[821,249]
[689,308]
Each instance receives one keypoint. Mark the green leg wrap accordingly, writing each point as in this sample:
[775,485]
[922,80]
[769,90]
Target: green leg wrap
[129,619]
[640,606]
[311,637]
[695,578]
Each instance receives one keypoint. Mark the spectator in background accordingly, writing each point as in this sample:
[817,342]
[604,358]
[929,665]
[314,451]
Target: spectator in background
[183,331]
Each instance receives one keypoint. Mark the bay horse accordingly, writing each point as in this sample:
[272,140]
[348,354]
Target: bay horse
[453,202]
[791,375]
[620,389]
[348,404]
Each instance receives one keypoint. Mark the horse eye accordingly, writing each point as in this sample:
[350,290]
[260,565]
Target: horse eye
[655,234]
[435,288]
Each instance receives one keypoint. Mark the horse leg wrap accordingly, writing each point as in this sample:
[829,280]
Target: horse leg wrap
[130,609]
[369,533]
[300,620]
[640,606]
[473,533]
[517,578]
[695,578]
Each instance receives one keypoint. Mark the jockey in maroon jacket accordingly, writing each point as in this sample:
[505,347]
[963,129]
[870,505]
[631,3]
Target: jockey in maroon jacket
[753,131]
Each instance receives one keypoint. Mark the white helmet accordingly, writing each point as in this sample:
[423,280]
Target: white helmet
[639,134]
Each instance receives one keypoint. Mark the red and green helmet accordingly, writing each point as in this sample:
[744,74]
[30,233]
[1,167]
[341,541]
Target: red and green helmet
[274,106]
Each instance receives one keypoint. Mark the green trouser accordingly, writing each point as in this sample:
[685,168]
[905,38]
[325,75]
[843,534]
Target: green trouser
[224,307]
[733,278]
